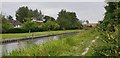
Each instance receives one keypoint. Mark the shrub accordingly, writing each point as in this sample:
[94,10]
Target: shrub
[30,26]
[49,25]
[16,30]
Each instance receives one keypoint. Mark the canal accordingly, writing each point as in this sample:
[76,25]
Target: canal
[8,47]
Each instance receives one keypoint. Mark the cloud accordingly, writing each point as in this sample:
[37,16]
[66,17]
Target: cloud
[51,11]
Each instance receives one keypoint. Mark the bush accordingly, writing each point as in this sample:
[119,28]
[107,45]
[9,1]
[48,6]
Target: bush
[49,25]
[105,51]
[16,30]
[30,26]
[111,44]
[6,26]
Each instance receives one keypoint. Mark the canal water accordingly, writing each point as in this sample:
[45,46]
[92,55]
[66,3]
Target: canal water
[8,47]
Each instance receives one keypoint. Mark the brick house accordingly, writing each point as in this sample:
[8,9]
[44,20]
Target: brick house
[90,25]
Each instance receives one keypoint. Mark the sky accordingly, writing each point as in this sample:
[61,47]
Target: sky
[92,11]
[53,0]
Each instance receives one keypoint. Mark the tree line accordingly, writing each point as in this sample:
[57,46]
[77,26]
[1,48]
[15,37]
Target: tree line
[65,20]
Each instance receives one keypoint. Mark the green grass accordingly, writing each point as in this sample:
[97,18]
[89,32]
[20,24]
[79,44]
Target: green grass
[86,37]
[98,42]
[67,46]
[17,35]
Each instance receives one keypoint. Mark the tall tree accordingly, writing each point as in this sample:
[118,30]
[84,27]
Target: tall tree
[67,20]
[48,18]
[30,13]
[109,18]
[25,12]
[22,13]
[110,30]
[37,15]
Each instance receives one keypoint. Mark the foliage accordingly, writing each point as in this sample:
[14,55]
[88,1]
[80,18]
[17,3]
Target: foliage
[22,13]
[30,26]
[16,30]
[5,25]
[48,18]
[30,13]
[67,20]
[110,29]
[110,46]
[37,14]
[111,18]
[25,12]
[50,25]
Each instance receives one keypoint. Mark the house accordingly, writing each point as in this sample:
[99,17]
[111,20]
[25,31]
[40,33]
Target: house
[90,25]
[15,23]
[38,20]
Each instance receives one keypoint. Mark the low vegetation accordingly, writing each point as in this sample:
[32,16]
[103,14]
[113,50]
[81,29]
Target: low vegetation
[109,30]
[68,46]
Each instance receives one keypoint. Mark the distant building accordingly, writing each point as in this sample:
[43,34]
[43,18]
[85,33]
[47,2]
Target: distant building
[90,25]
[15,23]
[38,20]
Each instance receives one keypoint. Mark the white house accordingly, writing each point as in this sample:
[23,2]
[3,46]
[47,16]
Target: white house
[38,20]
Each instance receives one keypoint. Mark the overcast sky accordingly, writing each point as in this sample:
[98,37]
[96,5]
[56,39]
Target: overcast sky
[53,0]
[92,11]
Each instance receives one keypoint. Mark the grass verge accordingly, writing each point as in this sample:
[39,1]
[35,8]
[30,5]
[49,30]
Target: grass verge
[17,35]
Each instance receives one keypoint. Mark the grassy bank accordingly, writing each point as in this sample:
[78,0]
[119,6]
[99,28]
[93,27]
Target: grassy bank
[17,35]
[69,46]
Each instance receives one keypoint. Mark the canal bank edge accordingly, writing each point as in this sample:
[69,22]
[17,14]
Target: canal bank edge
[31,37]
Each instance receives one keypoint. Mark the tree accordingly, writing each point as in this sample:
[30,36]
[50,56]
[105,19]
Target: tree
[25,12]
[110,29]
[109,18]
[67,20]
[27,19]
[29,25]
[37,15]
[50,25]
[22,13]
[48,18]
[30,13]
